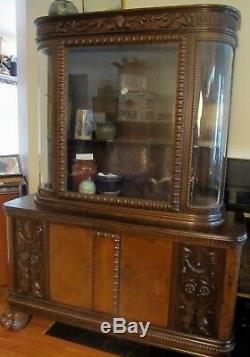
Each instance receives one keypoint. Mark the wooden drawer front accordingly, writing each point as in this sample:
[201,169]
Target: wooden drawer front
[145,273]
[81,267]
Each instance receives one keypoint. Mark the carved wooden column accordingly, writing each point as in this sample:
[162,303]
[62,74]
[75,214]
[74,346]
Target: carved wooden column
[29,258]
[30,273]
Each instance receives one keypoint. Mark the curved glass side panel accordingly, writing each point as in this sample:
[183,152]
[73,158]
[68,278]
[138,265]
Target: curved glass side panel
[213,90]
[45,127]
[121,120]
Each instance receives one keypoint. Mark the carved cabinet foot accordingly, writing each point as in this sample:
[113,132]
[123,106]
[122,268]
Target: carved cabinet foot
[14,320]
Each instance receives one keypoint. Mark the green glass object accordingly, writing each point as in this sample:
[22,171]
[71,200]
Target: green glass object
[87,187]
[62,7]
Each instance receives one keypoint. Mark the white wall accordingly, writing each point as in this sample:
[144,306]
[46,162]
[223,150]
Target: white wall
[8,93]
[239,131]
[28,10]
[8,24]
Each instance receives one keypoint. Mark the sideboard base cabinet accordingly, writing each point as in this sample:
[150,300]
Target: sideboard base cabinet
[84,271]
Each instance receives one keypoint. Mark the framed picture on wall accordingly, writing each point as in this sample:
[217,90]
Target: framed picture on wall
[10,165]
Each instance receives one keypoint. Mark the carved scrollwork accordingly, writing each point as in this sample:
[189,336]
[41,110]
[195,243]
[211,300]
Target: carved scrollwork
[197,289]
[96,25]
[139,22]
[175,21]
[161,19]
[29,257]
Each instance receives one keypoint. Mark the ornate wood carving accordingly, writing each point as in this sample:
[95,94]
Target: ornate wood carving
[160,19]
[14,320]
[29,257]
[197,286]
[114,24]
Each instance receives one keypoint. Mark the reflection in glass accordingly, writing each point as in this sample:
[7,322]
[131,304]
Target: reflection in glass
[45,150]
[121,110]
[214,70]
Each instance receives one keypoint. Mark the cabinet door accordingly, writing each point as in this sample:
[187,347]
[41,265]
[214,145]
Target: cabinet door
[71,260]
[121,103]
[81,267]
[145,273]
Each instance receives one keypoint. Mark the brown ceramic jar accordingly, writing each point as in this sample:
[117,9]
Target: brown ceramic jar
[83,170]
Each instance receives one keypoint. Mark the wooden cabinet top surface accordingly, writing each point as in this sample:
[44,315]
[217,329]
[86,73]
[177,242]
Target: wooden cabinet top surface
[231,232]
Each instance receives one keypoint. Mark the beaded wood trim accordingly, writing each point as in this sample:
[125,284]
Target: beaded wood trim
[116,264]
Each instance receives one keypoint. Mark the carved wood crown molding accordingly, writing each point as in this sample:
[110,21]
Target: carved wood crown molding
[220,18]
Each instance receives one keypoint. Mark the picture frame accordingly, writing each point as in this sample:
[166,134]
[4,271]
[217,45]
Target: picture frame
[102,5]
[10,166]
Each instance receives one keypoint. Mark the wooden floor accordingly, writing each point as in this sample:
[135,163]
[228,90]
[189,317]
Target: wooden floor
[31,341]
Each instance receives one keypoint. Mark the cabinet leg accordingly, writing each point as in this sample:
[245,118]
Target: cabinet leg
[14,320]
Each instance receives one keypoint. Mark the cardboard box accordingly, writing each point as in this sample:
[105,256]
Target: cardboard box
[137,106]
[145,106]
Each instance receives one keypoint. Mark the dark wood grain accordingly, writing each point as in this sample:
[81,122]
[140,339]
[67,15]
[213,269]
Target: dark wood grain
[4,197]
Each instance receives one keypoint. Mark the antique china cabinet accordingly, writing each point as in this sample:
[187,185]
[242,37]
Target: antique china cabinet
[129,220]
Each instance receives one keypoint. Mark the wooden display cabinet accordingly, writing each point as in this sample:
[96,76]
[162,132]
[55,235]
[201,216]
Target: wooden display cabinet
[138,230]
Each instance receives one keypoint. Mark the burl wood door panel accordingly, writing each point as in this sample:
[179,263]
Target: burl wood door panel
[71,261]
[145,272]
[81,267]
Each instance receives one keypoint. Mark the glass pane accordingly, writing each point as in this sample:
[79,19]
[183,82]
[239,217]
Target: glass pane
[9,144]
[121,110]
[45,153]
[213,85]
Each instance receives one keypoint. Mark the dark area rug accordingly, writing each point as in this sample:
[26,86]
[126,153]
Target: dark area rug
[120,347]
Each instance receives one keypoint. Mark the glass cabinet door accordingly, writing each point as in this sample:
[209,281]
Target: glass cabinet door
[213,89]
[121,119]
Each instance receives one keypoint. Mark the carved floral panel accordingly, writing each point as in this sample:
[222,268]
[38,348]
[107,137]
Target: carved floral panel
[29,257]
[198,280]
